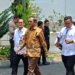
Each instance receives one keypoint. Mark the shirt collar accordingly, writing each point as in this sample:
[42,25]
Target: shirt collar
[72,26]
[33,28]
[21,29]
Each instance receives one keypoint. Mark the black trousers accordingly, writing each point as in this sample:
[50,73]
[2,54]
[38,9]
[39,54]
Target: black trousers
[11,50]
[15,64]
[43,56]
[69,62]
[48,43]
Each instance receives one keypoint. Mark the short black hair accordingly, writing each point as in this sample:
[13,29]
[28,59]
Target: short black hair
[15,17]
[68,17]
[40,23]
[46,21]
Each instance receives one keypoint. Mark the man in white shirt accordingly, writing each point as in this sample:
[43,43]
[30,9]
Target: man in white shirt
[66,42]
[18,37]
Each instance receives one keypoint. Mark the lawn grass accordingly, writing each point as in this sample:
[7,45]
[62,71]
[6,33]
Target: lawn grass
[56,57]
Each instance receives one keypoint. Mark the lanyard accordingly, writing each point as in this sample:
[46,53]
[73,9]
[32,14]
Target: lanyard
[20,34]
[66,33]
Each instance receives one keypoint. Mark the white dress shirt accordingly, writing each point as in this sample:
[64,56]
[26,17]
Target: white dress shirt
[18,36]
[67,49]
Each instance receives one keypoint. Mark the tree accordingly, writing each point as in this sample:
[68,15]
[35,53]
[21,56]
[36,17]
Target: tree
[21,8]
[5,17]
[24,9]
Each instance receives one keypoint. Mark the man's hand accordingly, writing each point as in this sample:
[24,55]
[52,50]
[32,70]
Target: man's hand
[46,53]
[17,50]
[57,44]
[69,41]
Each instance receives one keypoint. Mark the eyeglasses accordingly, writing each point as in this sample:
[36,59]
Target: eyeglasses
[20,22]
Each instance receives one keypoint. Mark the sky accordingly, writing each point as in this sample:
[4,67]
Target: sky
[59,6]
[4,4]
[47,6]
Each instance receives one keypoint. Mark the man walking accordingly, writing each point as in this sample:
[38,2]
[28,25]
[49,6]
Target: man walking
[47,39]
[33,40]
[18,37]
[66,42]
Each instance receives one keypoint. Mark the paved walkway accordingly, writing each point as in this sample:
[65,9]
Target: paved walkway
[52,69]
[55,68]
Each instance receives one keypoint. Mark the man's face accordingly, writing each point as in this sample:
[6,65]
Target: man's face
[31,22]
[47,24]
[68,23]
[20,23]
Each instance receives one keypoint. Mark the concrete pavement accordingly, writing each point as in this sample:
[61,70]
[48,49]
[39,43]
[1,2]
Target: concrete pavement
[52,69]
[55,68]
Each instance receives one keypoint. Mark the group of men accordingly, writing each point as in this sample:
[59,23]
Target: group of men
[26,45]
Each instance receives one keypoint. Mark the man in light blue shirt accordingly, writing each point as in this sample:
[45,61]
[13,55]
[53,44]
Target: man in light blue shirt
[18,37]
[66,39]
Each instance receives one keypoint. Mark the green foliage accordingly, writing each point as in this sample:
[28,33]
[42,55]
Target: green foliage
[4,28]
[26,15]
[5,17]
[24,9]
[19,9]
[5,51]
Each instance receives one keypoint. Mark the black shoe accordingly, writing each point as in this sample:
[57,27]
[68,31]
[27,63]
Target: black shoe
[46,63]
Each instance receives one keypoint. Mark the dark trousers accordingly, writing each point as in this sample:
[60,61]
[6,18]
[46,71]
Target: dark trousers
[16,61]
[69,62]
[11,50]
[43,56]
[48,43]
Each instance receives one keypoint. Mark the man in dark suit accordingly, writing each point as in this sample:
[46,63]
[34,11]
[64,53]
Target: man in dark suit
[47,38]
